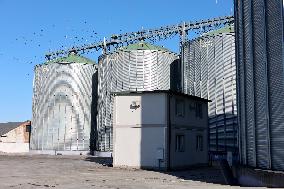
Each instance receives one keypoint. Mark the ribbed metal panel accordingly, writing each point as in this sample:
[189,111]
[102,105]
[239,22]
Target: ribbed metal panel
[249,87]
[240,80]
[62,106]
[275,45]
[260,85]
[130,70]
[260,82]
[210,73]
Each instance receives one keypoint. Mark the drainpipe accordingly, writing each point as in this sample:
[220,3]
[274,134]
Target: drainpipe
[169,132]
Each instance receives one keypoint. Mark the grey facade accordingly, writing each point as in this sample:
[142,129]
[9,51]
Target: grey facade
[260,77]
[137,67]
[210,73]
[64,104]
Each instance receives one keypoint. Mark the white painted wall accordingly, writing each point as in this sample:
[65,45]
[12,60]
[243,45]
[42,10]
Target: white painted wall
[14,147]
[139,134]
[16,140]
[138,147]
[153,106]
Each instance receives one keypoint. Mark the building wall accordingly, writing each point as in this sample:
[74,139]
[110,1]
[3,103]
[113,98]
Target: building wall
[137,147]
[140,133]
[190,125]
[14,147]
[17,135]
[189,117]
[191,155]
[16,140]
[259,30]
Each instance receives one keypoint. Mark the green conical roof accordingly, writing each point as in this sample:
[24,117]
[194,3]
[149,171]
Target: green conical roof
[71,58]
[143,46]
[227,29]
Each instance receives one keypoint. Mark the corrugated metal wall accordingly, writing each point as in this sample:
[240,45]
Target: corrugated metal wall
[259,29]
[210,73]
[62,106]
[130,70]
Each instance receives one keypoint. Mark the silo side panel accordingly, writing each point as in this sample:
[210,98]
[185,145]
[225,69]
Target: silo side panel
[274,36]
[62,107]
[211,74]
[260,86]
[249,87]
[128,70]
[260,57]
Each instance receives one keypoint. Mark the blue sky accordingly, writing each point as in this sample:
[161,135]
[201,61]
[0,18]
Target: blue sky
[30,28]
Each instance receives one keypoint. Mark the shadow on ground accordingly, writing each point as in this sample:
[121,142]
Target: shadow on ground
[202,174]
[105,161]
[210,174]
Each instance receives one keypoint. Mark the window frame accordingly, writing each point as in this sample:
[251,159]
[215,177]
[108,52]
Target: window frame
[182,109]
[199,143]
[28,128]
[180,143]
[198,110]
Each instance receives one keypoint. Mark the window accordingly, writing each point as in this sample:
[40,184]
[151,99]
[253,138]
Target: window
[199,143]
[198,110]
[28,128]
[179,108]
[180,143]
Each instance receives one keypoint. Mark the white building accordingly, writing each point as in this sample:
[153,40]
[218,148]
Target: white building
[15,137]
[159,130]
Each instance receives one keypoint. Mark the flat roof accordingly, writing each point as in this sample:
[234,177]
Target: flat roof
[171,92]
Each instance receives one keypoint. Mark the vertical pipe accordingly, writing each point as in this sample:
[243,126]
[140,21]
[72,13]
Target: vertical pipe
[42,138]
[169,130]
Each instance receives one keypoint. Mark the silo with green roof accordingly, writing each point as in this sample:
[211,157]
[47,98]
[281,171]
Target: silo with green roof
[210,73]
[64,104]
[136,67]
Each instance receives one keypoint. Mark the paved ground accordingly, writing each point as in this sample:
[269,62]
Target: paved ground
[42,171]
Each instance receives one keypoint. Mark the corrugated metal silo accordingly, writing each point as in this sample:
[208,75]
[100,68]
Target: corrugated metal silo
[64,104]
[210,73]
[259,30]
[137,67]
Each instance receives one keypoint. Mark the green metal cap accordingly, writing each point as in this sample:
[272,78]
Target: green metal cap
[227,29]
[142,46]
[72,58]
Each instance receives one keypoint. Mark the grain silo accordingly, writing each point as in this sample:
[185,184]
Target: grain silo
[260,62]
[137,67]
[64,104]
[210,73]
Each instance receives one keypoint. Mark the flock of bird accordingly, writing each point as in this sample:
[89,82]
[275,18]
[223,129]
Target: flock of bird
[43,41]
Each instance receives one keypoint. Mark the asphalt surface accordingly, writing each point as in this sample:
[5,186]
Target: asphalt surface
[74,172]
